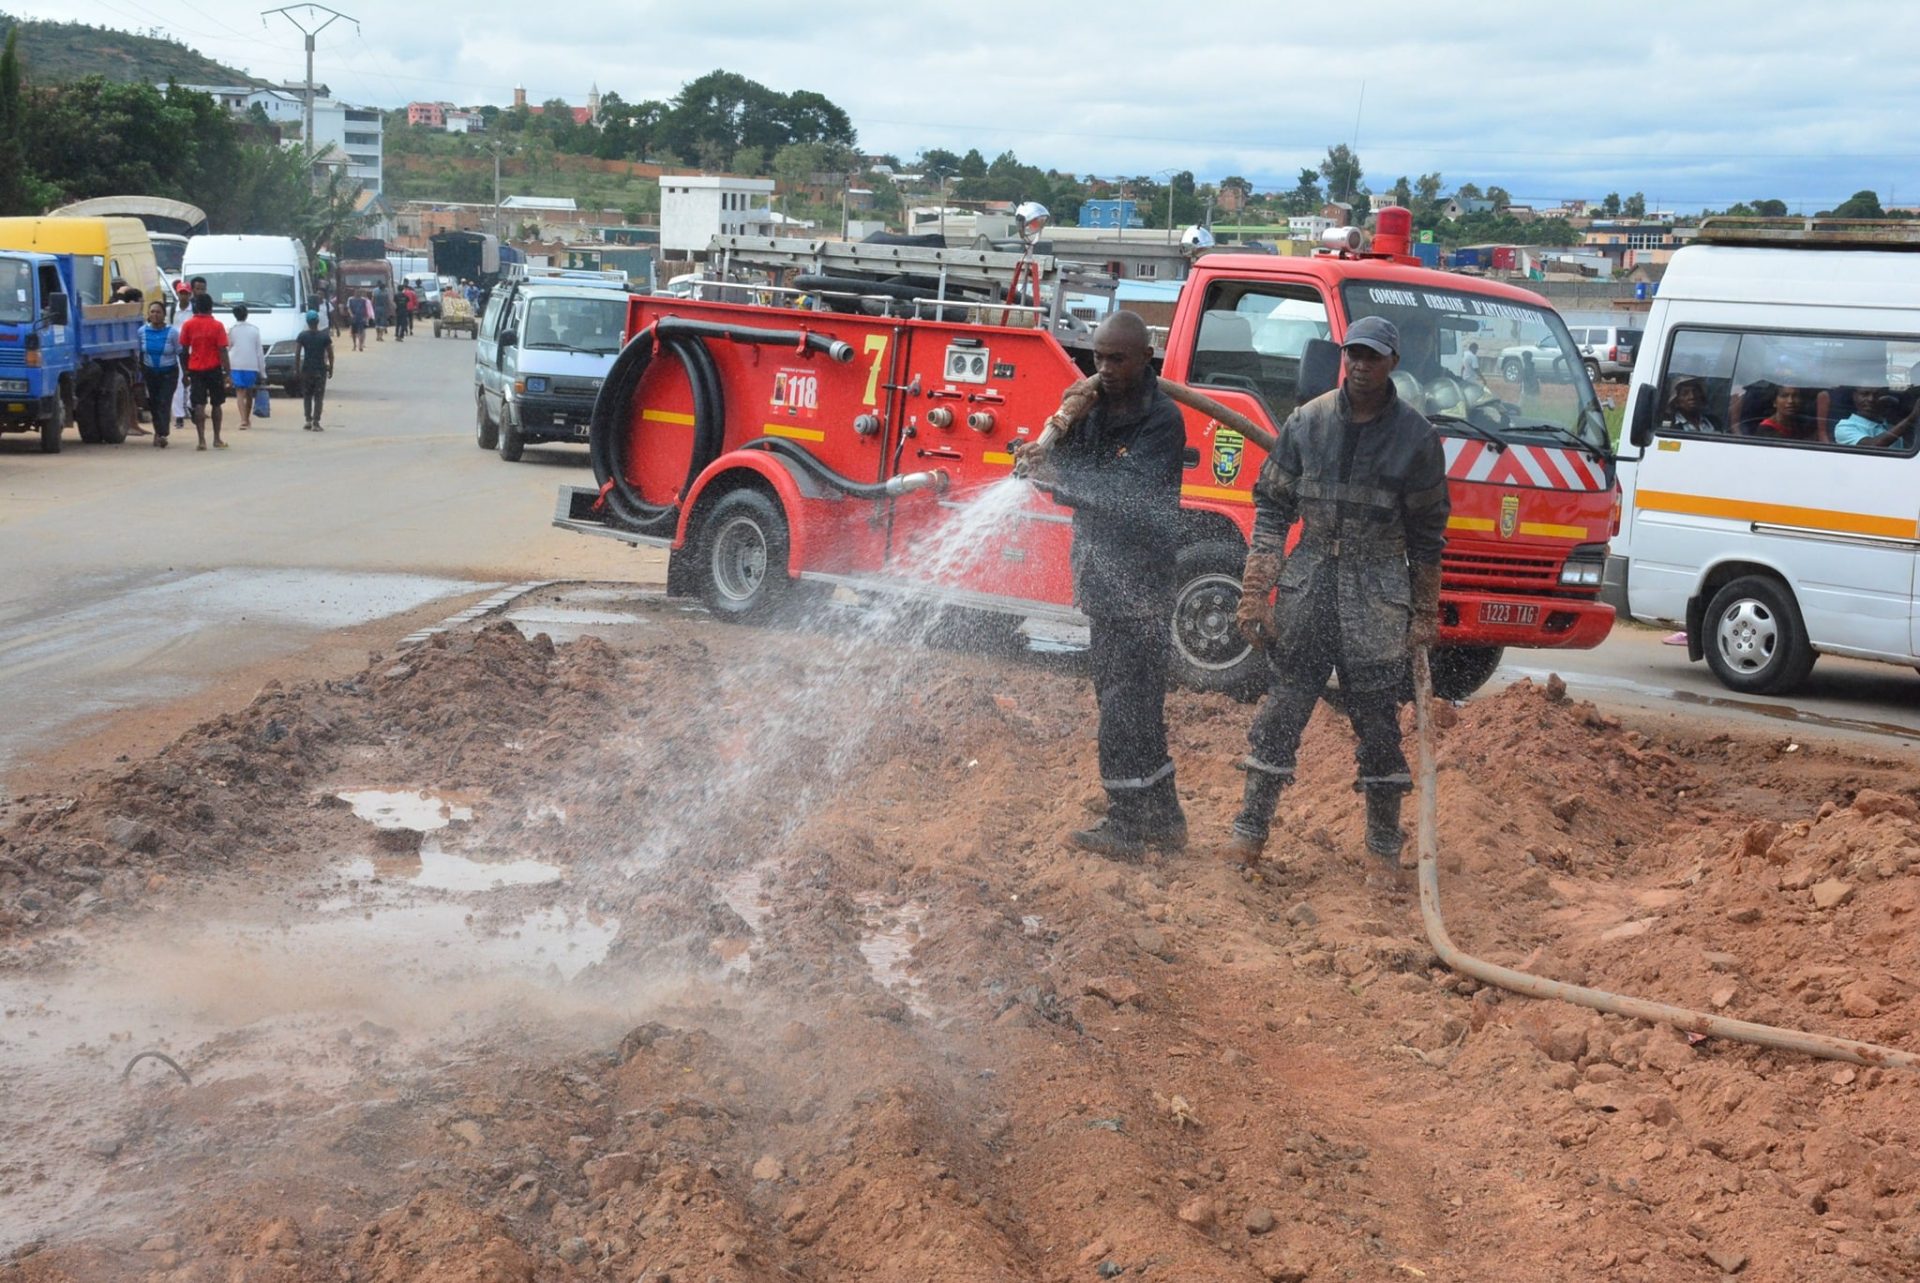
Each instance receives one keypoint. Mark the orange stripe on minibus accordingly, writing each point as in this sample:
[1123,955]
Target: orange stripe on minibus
[1776,514]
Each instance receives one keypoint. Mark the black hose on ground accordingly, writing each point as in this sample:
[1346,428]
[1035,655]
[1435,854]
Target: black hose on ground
[686,341]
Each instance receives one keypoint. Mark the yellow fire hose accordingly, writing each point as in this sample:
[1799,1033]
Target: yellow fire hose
[1699,1022]
[1074,404]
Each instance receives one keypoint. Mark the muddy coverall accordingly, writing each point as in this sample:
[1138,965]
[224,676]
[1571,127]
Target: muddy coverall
[1372,499]
[1119,470]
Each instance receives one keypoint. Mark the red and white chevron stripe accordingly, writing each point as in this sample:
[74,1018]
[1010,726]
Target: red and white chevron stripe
[1538,466]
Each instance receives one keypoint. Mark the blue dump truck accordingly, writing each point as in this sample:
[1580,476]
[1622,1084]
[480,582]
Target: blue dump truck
[64,360]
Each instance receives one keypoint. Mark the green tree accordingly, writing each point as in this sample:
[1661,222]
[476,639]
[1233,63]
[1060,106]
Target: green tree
[1403,192]
[750,160]
[973,164]
[1428,188]
[1634,206]
[1862,204]
[19,193]
[1468,191]
[1499,196]
[1770,208]
[1305,196]
[939,163]
[1342,171]
[1610,207]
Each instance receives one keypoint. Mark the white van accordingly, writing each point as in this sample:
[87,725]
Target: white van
[544,348]
[1774,509]
[270,275]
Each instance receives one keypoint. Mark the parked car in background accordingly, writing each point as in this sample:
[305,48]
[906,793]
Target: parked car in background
[1607,346]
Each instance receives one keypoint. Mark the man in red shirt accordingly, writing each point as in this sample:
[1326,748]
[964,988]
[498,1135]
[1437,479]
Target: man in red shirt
[204,340]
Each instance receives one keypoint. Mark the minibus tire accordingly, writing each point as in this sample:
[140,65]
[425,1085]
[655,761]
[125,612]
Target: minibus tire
[1756,611]
[743,552]
[486,433]
[511,444]
[1207,651]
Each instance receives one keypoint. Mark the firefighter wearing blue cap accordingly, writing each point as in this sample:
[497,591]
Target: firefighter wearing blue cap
[1365,475]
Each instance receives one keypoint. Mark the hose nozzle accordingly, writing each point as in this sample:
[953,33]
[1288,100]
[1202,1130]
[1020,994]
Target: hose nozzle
[907,482]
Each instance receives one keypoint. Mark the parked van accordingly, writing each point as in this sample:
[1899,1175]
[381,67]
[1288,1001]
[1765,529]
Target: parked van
[1772,509]
[267,273]
[107,249]
[544,349]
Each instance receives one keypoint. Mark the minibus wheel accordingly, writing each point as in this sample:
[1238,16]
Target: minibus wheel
[1755,640]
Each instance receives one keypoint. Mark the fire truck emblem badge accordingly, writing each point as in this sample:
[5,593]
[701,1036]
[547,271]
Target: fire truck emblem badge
[1509,515]
[1228,448]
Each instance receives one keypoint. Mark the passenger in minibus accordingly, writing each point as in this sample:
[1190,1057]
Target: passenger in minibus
[1872,424]
[1687,405]
[1791,419]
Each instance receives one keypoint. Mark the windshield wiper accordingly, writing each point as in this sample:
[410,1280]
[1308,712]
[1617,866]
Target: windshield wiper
[1480,430]
[1572,438]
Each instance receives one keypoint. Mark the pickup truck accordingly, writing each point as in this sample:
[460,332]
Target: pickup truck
[63,360]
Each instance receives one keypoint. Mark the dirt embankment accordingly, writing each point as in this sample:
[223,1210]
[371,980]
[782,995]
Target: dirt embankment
[862,1015]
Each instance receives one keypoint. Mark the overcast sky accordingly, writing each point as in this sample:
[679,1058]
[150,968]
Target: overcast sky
[1694,104]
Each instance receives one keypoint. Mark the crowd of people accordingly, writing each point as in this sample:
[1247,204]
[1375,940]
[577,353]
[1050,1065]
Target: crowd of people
[191,368]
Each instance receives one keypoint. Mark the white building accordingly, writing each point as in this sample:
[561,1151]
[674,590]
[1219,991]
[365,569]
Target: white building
[693,210]
[466,122]
[1307,227]
[355,134]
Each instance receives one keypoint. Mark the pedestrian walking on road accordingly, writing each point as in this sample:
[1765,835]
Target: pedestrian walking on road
[247,356]
[382,312]
[208,374]
[313,360]
[1118,468]
[159,368]
[1365,474]
[359,316]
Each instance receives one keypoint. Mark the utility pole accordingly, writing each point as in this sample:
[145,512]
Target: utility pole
[312,20]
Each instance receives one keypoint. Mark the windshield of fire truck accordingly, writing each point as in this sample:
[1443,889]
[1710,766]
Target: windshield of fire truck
[1506,367]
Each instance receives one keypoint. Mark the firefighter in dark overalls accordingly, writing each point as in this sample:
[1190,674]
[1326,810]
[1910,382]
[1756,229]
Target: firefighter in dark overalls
[1365,474]
[1119,470]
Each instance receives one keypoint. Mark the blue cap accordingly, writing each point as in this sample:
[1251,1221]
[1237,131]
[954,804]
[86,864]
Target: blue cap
[313,318]
[1375,332]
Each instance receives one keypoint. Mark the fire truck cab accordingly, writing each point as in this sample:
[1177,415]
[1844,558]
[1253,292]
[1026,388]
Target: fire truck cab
[819,431]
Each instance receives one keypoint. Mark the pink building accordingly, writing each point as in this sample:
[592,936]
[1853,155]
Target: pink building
[431,114]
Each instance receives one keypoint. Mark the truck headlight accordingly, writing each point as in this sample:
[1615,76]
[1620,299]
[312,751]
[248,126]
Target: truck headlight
[13,387]
[1584,566]
[536,383]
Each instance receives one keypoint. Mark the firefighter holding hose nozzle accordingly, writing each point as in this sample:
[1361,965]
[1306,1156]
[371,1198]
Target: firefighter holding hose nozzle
[1365,474]
[1118,468]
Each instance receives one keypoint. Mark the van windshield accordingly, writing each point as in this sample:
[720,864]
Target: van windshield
[16,292]
[169,254]
[576,324]
[1504,366]
[258,290]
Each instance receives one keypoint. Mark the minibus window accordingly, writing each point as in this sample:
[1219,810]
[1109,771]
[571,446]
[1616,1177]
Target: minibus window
[1780,388]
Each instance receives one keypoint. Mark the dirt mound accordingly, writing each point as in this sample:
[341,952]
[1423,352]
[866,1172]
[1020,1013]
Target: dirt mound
[866,1016]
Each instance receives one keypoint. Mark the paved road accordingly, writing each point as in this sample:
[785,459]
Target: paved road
[129,574]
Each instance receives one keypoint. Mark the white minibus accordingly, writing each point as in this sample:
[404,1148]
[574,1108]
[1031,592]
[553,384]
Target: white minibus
[1773,509]
[270,275]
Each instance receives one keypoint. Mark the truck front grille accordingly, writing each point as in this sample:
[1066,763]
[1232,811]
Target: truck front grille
[1499,571]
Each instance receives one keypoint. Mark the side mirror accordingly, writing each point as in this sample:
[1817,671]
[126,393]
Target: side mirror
[56,309]
[1640,421]
[1319,369]
[508,338]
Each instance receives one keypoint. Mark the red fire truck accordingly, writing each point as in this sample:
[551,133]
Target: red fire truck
[816,432]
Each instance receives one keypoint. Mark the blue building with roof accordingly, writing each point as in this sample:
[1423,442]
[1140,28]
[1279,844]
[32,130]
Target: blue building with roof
[1109,213]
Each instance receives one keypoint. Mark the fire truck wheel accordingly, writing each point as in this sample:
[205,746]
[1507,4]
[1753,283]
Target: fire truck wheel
[1208,652]
[486,433]
[1459,671]
[743,557]
[1754,638]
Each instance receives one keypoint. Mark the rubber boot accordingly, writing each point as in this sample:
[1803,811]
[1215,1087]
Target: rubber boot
[1385,837]
[1117,834]
[1163,824]
[1257,804]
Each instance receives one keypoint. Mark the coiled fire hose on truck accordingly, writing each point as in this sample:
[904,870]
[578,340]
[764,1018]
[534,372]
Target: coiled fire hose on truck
[686,341]
[1074,405]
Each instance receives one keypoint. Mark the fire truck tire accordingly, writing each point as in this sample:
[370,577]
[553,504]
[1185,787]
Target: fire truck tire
[742,564]
[1459,671]
[486,433]
[1208,652]
[1755,641]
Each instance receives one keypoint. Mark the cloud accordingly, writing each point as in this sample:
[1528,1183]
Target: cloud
[1691,103]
